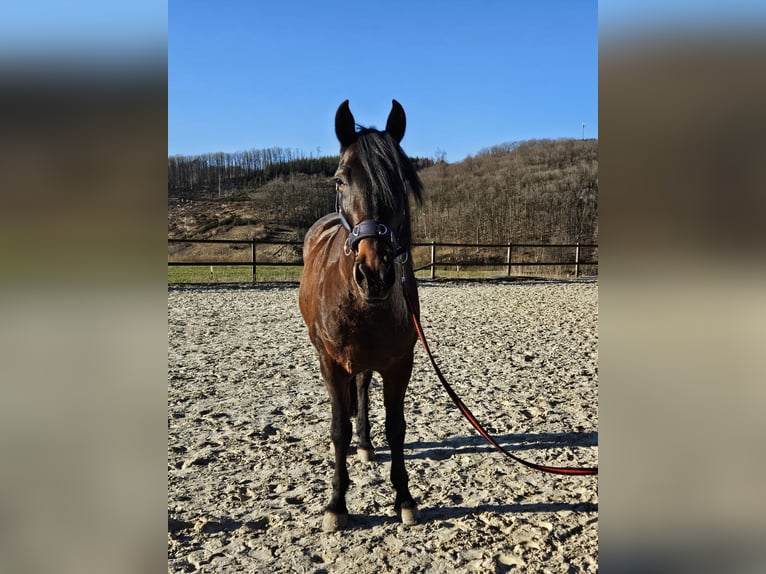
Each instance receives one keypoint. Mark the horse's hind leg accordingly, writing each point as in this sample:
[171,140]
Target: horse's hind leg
[394,386]
[364,449]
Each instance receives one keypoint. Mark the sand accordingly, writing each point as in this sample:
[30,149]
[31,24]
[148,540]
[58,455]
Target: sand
[249,454]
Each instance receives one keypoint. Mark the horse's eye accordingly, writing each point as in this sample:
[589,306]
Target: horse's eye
[338,183]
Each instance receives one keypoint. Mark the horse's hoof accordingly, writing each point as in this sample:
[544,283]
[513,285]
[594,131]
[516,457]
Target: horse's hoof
[409,516]
[365,455]
[332,522]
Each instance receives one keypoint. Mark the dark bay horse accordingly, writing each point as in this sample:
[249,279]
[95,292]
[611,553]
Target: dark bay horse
[356,267]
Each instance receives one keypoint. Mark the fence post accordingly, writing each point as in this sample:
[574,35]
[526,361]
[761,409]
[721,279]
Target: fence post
[253,259]
[433,260]
[577,260]
[510,248]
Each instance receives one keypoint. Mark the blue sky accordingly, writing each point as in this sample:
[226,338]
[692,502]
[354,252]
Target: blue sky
[470,75]
[255,74]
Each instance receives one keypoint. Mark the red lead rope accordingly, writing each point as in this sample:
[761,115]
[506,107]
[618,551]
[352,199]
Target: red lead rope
[467,413]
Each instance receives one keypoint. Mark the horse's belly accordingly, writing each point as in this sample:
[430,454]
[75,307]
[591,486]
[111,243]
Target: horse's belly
[362,356]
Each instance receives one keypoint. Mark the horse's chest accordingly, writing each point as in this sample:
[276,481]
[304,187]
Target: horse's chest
[367,343]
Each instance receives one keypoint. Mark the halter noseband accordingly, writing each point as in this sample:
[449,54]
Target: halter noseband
[365,229]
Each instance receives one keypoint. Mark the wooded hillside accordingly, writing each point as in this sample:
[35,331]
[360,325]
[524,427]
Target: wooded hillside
[533,191]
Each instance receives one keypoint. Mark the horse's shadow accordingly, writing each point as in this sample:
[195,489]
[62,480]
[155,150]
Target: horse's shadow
[445,514]
[428,515]
[511,442]
[459,445]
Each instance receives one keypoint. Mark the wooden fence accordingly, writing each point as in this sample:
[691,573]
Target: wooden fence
[442,255]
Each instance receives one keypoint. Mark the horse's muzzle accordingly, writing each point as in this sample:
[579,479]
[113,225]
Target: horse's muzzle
[374,275]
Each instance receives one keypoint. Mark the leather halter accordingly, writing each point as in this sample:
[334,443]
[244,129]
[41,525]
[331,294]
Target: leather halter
[365,229]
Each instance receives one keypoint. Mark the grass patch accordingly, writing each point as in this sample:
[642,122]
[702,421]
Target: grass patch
[500,271]
[458,272]
[178,274]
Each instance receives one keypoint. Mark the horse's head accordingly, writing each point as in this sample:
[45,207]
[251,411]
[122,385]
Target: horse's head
[372,181]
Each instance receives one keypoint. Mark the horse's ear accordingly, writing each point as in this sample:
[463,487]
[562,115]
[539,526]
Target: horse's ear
[397,121]
[345,126]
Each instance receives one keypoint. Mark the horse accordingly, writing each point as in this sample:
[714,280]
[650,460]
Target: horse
[357,268]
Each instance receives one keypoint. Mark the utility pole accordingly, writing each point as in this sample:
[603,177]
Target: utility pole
[583,130]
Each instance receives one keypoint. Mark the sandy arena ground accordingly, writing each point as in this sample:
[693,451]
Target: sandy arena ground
[249,457]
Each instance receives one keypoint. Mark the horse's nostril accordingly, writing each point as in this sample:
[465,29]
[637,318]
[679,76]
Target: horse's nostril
[359,275]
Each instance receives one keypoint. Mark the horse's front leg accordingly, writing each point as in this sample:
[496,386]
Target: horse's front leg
[364,449]
[394,387]
[339,389]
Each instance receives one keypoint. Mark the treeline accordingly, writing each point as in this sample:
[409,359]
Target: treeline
[542,191]
[215,174]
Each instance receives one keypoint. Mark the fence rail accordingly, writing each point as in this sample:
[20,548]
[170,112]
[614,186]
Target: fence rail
[451,260]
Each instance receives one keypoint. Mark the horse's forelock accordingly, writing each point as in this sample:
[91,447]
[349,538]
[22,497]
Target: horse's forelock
[388,168]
